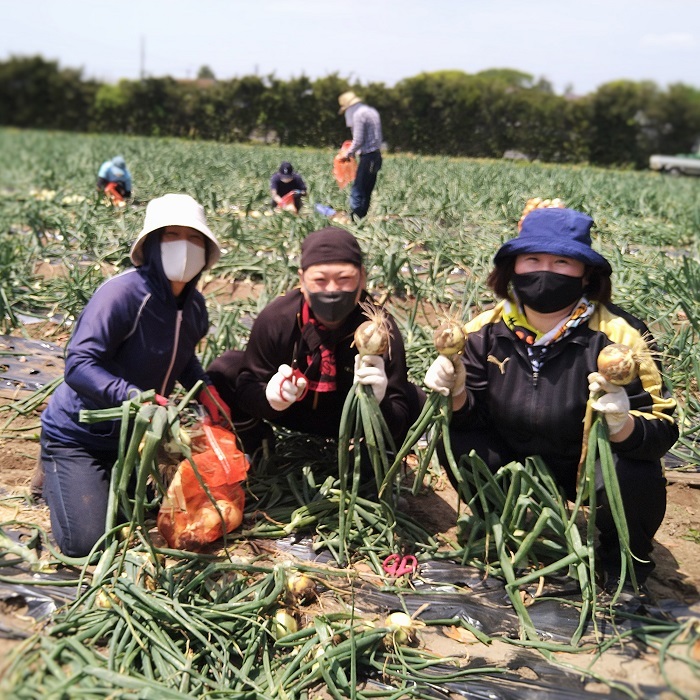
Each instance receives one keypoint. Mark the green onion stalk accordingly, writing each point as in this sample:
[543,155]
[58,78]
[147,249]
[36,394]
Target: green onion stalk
[518,528]
[449,339]
[144,427]
[619,365]
[363,432]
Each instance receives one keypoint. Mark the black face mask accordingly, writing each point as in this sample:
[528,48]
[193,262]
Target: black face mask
[546,292]
[332,307]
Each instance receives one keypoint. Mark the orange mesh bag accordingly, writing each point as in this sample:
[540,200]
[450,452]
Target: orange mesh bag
[113,193]
[187,517]
[344,172]
[287,202]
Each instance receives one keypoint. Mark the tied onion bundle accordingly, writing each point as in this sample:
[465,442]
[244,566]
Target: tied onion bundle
[373,335]
[619,365]
[363,433]
[449,339]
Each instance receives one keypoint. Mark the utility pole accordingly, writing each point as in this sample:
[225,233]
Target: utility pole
[142,70]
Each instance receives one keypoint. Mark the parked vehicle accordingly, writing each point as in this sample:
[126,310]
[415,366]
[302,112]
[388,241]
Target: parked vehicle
[681,164]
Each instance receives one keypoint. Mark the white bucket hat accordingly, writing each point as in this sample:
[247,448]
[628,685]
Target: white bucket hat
[176,210]
[347,99]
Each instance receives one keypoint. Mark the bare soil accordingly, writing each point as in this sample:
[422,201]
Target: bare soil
[676,578]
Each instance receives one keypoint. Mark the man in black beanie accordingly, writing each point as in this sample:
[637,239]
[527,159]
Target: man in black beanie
[299,363]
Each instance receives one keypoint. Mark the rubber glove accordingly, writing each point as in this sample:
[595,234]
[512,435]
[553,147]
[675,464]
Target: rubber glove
[214,405]
[284,389]
[369,371]
[614,404]
[446,375]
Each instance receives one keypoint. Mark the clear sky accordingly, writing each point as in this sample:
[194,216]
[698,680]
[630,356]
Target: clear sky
[578,43]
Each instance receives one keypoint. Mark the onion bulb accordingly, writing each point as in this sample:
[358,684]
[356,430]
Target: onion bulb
[539,203]
[104,599]
[403,629]
[618,364]
[300,587]
[449,338]
[372,337]
[283,624]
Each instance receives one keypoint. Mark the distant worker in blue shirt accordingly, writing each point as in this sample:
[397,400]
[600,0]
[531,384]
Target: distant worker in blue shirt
[366,127]
[114,179]
[287,188]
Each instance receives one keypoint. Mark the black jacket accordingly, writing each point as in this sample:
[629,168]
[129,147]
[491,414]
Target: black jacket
[276,339]
[543,414]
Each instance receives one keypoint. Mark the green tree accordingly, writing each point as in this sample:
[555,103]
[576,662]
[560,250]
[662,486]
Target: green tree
[508,77]
[676,116]
[619,119]
[37,93]
[205,73]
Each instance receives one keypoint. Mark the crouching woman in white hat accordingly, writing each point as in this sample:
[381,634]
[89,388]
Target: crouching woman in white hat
[138,332]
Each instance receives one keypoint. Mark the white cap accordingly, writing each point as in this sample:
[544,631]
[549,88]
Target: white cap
[176,210]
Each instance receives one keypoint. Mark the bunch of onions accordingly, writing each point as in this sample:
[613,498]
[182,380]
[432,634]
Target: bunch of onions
[618,364]
[539,203]
[449,338]
[372,337]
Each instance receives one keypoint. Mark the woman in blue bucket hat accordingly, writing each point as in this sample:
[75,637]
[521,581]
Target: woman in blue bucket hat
[522,384]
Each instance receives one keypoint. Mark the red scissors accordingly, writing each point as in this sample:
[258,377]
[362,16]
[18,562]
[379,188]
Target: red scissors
[297,374]
[397,565]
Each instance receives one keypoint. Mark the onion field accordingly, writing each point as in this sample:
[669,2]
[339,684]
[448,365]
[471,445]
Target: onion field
[207,625]
[429,242]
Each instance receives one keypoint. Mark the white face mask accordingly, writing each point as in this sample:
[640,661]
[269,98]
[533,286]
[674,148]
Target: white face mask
[182,260]
[350,115]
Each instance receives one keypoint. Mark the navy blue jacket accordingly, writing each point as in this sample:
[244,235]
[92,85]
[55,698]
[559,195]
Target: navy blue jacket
[282,188]
[133,335]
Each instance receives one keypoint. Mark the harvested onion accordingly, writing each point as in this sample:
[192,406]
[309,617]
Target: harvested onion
[449,338]
[300,587]
[403,629]
[372,336]
[618,364]
[539,203]
[283,624]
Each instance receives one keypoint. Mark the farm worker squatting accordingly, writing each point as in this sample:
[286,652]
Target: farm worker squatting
[114,179]
[286,181]
[366,127]
[529,364]
[138,332]
[310,329]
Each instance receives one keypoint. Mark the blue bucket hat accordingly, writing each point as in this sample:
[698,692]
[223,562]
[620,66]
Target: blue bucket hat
[558,232]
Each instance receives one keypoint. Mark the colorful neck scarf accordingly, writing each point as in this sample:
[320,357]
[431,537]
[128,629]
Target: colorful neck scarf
[320,361]
[539,343]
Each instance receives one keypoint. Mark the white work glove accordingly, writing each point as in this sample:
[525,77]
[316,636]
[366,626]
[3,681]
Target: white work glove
[284,389]
[370,371]
[446,375]
[614,404]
